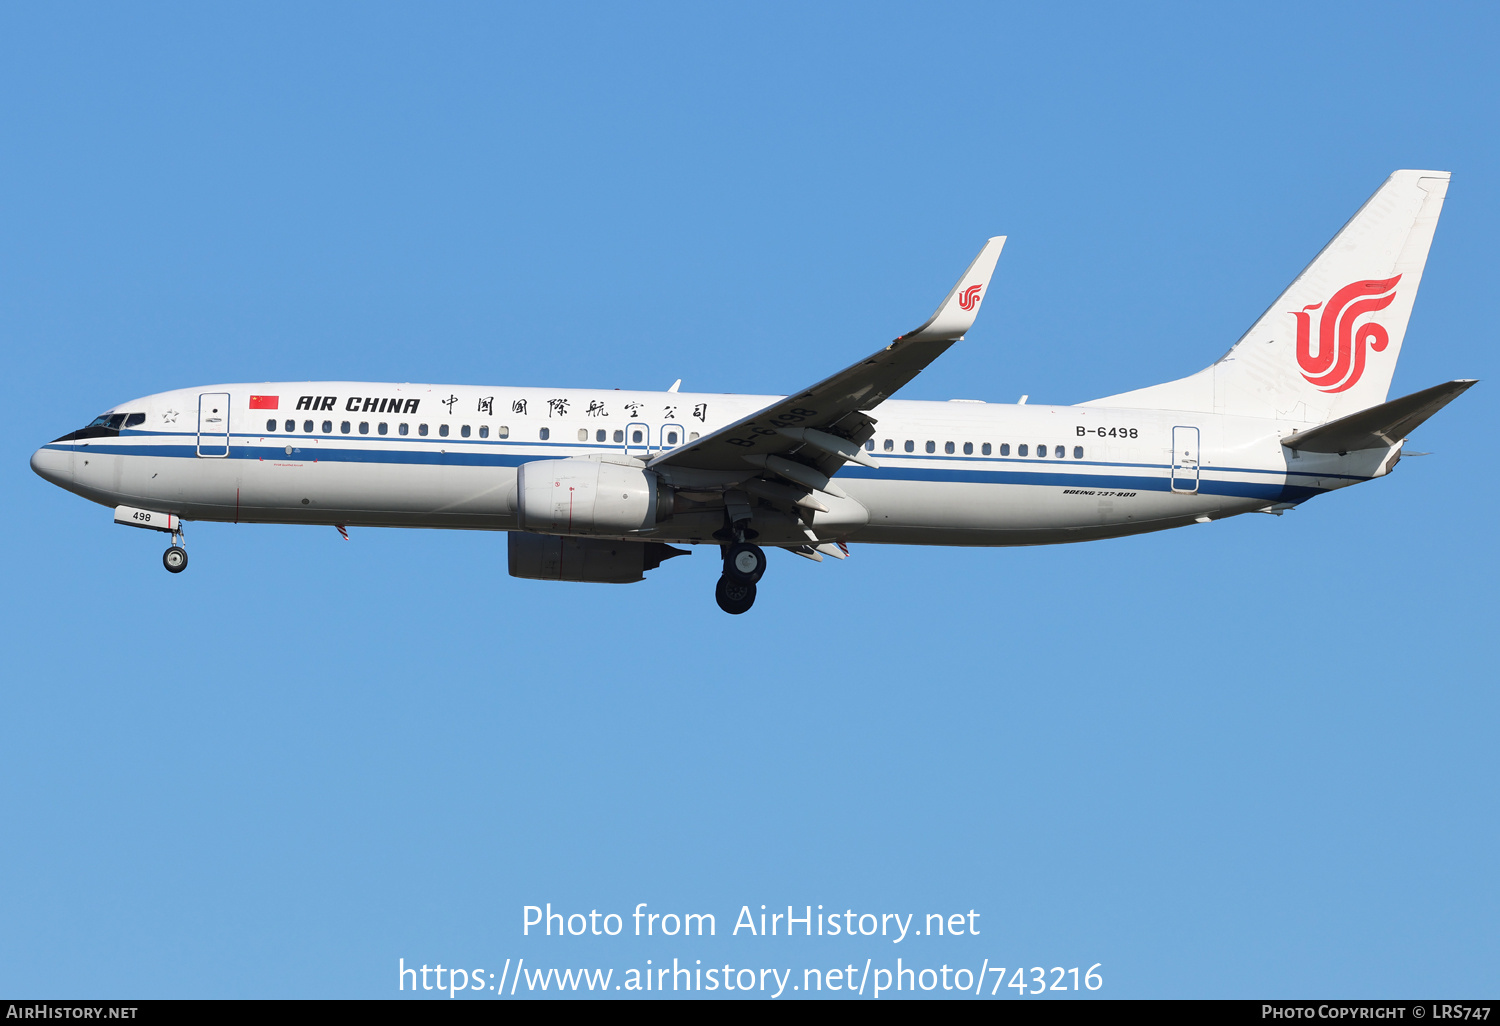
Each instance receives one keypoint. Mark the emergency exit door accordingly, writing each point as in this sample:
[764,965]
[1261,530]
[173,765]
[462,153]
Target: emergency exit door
[637,440]
[213,424]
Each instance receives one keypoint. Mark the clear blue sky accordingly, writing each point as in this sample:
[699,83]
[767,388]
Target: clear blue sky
[1253,758]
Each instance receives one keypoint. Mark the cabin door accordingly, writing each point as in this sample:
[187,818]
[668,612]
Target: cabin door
[1184,459]
[213,424]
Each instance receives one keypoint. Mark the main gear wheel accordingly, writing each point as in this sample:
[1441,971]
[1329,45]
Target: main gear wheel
[745,562]
[733,595]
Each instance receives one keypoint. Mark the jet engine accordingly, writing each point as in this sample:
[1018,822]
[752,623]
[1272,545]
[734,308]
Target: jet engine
[590,496]
[542,557]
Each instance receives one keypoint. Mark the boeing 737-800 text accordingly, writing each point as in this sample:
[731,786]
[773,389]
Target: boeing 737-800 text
[601,485]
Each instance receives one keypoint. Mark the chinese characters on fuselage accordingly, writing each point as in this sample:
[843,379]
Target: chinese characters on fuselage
[486,406]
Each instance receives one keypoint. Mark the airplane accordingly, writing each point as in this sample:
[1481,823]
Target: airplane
[602,485]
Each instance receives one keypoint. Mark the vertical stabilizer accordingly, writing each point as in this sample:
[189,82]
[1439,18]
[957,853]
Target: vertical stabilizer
[1328,346]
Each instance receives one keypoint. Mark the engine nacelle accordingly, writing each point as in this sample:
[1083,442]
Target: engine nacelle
[589,496]
[550,557]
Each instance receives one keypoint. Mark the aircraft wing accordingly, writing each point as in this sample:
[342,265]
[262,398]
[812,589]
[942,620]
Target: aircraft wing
[807,437]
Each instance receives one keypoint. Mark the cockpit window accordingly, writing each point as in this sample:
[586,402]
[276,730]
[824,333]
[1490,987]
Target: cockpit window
[105,425]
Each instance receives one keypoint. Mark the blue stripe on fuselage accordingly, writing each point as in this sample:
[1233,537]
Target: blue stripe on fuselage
[1275,492]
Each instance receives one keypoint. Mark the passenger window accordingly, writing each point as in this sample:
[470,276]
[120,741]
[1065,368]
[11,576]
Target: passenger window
[443,430]
[464,431]
[931,446]
[364,427]
[890,445]
[600,435]
[1005,449]
[307,426]
[484,431]
[985,448]
[619,436]
[968,448]
[422,429]
[344,427]
[1060,451]
[671,437]
[135,420]
[291,426]
[870,445]
[328,427]
[911,446]
[1078,452]
[1041,452]
[545,434]
[383,427]
[583,434]
[403,428]
[504,432]
[1022,450]
[270,425]
[948,448]
[637,437]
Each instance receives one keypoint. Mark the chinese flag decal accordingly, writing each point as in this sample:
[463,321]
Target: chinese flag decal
[264,402]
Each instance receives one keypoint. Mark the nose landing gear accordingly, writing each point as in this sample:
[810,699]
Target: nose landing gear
[175,558]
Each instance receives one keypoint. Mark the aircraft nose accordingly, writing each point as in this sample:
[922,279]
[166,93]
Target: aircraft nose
[53,465]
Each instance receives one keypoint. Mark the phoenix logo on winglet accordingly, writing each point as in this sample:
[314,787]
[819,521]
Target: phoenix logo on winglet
[1340,360]
[969,297]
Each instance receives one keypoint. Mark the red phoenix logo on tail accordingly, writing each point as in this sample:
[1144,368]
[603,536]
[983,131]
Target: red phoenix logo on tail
[1340,360]
[969,297]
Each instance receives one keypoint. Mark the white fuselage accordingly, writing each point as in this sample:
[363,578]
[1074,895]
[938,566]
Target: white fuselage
[950,473]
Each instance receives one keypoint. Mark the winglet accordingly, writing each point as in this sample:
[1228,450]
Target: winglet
[955,315]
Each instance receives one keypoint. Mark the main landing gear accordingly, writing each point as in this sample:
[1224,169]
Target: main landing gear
[744,565]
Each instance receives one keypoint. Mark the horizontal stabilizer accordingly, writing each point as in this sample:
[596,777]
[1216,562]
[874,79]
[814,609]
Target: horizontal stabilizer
[1379,426]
